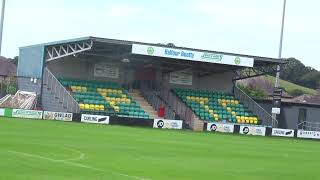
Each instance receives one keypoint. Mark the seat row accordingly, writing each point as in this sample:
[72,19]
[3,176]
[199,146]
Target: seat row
[216,106]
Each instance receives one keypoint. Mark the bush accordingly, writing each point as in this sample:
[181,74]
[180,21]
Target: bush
[254,92]
[296,92]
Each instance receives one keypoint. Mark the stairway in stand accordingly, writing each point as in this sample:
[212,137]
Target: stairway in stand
[136,95]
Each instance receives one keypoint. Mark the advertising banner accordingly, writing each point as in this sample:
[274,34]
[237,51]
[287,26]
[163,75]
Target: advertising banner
[2,112]
[218,127]
[253,130]
[167,124]
[181,78]
[192,55]
[29,114]
[60,116]
[282,132]
[95,119]
[308,134]
[106,70]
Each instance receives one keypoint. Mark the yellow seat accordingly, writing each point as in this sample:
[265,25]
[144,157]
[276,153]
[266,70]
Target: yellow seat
[211,111]
[96,107]
[224,104]
[73,88]
[87,106]
[233,113]
[236,102]
[123,96]
[116,108]
[103,91]
[91,107]
[82,106]
[128,101]
[84,89]
[119,91]
[112,103]
[108,99]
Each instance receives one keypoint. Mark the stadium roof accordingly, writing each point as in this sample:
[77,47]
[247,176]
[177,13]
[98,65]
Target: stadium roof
[121,50]
[101,42]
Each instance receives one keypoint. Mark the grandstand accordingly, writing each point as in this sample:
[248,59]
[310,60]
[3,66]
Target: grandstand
[135,80]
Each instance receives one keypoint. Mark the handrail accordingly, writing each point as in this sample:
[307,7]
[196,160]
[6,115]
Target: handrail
[156,101]
[309,126]
[60,92]
[255,107]
[177,104]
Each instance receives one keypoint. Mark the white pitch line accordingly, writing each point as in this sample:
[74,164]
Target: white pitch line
[72,164]
[81,154]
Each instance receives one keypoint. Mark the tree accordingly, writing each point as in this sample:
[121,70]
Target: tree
[296,72]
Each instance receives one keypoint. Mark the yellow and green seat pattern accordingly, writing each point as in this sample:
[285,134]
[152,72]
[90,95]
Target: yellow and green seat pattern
[105,98]
[216,106]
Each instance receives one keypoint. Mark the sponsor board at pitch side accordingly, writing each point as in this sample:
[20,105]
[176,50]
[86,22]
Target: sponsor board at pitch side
[30,114]
[2,112]
[95,119]
[283,132]
[61,116]
[218,127]
[253,130]
[167,124]
[308,134]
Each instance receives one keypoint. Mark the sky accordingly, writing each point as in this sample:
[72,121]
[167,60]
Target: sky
[247,26]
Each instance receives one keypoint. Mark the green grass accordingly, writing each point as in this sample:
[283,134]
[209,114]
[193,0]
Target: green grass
[37,149]
[291,86]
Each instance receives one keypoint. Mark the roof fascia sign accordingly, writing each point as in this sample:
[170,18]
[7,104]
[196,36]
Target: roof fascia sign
[191,55]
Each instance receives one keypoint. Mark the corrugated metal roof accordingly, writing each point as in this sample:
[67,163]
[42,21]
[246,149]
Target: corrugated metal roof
[129,43]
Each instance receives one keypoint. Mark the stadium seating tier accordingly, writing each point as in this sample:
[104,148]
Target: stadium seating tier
[216,106]
[103,98]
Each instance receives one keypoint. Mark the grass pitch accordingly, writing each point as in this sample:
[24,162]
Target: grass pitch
[37,149]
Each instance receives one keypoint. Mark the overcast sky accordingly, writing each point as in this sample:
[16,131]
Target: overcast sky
[239,26]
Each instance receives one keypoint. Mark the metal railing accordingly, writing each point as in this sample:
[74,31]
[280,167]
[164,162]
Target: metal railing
[265,116]
[60,92]
[156,102]
[309,126]
[179,106]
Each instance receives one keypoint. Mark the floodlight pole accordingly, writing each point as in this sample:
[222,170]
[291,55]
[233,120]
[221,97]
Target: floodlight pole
[1,22]
[277,83]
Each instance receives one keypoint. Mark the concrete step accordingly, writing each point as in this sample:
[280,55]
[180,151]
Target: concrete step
[136,95]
